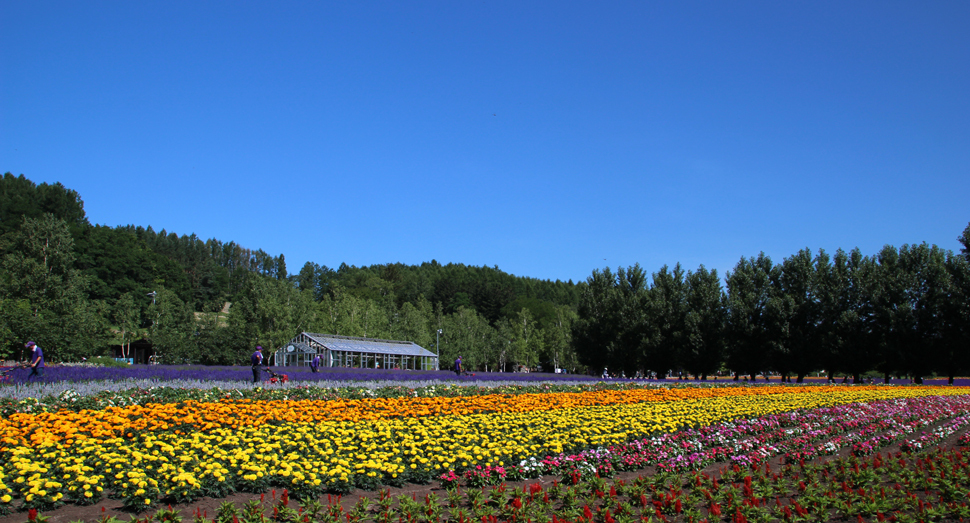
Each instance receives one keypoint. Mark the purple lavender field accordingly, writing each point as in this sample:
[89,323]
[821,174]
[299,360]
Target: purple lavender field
[295,374]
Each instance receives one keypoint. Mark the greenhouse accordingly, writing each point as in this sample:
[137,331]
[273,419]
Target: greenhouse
[348,351]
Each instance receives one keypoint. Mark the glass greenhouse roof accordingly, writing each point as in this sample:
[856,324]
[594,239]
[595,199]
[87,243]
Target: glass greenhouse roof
[369,345]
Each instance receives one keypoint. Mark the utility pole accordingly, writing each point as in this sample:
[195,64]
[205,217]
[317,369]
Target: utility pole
[436,352]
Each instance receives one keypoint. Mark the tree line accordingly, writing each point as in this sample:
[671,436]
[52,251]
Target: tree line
[902,311]
[78,289]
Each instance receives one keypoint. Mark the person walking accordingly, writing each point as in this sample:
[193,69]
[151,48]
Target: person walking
[458,366]
[36,361]
[315,364]
[256,359]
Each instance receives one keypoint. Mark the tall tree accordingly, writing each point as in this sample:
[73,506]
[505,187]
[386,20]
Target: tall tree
[468,334]
[800,295]
[126,318]
[955,320]
[753,315]
[929,288]
[500,351]
[830,277]
[964,240]
[558,344]
[527,343]
[890,321]
[39,276]
[329,317]
[306,280]
[412,323]
[281,273]
[664,337]
[610,328]
[170,329]
[704,324]
[214,341]
[268,312]
[17,323]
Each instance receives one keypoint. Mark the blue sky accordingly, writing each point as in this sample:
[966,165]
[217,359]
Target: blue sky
[547,138]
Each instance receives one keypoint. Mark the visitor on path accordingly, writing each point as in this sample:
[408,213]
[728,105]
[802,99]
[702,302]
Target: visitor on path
[36,361]
[256,359]
[315,364]
[458,368]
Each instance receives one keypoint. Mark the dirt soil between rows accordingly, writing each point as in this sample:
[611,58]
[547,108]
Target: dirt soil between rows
[210,506]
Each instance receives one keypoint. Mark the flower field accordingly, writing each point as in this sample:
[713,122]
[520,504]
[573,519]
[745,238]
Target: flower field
[312,442]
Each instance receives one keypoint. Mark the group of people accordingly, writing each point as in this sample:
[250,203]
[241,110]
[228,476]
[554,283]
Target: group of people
[257,361]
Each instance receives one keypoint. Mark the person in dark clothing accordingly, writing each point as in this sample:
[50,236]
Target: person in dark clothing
[315,364]
[36,361]
[256,359]
[458,368]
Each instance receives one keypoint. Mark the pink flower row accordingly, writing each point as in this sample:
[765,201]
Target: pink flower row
[798,435]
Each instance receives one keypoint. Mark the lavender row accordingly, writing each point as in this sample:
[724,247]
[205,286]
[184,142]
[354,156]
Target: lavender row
[79,373]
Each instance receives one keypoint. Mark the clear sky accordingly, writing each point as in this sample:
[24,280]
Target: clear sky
[547,138]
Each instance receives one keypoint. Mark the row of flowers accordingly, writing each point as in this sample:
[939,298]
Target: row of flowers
[96,395]
[43,468]
[902,487]
[192,416]
[799,436]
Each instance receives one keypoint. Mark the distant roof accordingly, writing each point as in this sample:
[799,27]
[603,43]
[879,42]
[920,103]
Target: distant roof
[301,347]
[369,345]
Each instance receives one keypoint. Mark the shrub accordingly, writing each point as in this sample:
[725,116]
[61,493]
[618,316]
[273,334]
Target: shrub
[105,361]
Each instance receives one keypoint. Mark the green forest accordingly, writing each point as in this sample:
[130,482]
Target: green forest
[82,290]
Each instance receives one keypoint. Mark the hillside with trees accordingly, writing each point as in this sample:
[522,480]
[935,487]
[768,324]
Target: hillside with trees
[91,290]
